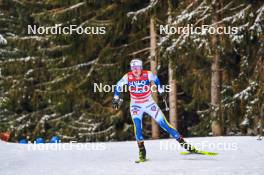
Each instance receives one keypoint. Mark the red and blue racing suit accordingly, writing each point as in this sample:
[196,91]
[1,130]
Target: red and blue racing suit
[142,102]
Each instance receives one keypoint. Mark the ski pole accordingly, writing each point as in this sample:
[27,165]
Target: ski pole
[166,105]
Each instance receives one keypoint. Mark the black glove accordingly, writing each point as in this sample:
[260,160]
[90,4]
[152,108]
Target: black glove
[163,96]
[117,102]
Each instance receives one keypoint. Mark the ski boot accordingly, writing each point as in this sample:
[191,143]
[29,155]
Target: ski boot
[187,146]
[142,152]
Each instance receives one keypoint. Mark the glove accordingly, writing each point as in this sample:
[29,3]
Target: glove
[116,102]
[163,96]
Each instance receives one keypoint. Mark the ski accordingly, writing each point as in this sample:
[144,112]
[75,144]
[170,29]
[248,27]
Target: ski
[141,161]
[200,152]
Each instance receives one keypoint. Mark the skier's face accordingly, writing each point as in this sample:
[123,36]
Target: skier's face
[136,70]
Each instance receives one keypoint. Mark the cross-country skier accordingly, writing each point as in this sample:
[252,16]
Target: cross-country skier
[139,82]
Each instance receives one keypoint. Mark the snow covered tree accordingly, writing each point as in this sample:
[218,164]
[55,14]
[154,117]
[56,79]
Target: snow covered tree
[48,85]
[47,81]
[247,17]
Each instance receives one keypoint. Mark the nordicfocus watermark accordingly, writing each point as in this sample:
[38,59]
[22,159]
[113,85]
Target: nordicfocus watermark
[100,87]
[72,145]
[58,29]
[203,145]
[190,29]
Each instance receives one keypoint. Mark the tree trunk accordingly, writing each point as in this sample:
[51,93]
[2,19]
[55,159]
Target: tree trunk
[172,97]
[216,81]
[153,67]
[172,82]
[260,124]
[215,96]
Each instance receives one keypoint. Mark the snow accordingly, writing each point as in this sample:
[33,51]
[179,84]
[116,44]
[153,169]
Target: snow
[2,40]
[117,158]
[75,6]
[245,122]
[257,23]
[19,119]
[24,59]
[245,94]
[37,38]
[62,117]
[142,11]
[30,71]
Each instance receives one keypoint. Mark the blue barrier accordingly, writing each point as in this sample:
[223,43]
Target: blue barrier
[39,140]
[55,139]
[23,141]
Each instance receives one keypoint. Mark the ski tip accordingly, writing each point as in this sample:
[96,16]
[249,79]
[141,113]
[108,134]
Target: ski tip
[212,154]
[208,153]
[184,153]
[201,153]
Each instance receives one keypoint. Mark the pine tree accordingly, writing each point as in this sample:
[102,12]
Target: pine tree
[247,17]
[48,85]
[47,81]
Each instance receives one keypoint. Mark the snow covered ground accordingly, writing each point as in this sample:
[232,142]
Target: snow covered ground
[237,155]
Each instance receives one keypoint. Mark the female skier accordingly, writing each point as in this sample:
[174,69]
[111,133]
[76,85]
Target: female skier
[140,86]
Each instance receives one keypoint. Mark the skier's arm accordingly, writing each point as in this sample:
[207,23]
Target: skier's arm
[118,88]
[155,79]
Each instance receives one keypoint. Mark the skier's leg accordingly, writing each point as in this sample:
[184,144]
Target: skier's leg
[137,114]
[154,111]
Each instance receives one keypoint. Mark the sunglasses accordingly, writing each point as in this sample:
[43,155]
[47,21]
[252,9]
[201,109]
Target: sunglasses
[136,68]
